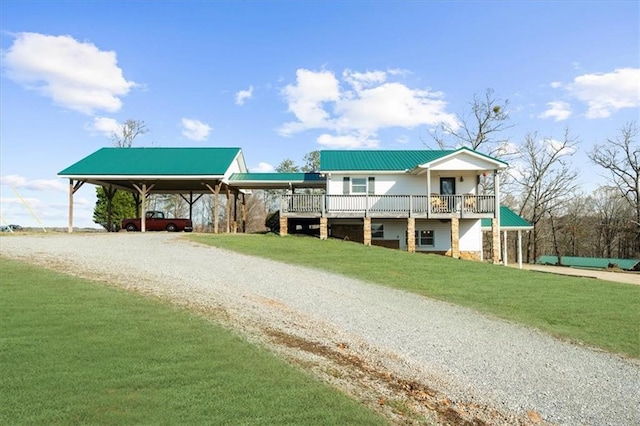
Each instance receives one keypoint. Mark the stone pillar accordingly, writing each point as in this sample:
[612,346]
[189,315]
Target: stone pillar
[284,222]
[455,237]
[324,228]
[411,235]
[367,231]
[495,240]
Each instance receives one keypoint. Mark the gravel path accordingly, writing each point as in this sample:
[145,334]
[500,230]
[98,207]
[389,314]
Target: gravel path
[461,365]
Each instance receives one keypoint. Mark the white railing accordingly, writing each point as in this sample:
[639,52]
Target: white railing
[403,205]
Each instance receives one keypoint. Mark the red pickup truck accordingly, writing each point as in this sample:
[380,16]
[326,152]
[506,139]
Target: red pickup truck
[155,221]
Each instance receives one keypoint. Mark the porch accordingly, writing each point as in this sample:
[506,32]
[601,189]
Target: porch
[433,206]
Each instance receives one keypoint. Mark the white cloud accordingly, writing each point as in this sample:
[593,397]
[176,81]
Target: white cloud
[356,110]
[554,145]
[105,125]
[243,95]
[605,93]
[21,182]
[76,75]
[556,84]
[195,130]
[347,141]
[263,167]
[557,110]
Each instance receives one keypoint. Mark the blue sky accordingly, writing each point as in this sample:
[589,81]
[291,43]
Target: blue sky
[283,78]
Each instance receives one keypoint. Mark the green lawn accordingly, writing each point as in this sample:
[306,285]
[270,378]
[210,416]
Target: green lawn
[594,312]
[76,352]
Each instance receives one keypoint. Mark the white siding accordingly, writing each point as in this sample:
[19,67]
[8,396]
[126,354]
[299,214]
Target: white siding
[470,235]
[392,184]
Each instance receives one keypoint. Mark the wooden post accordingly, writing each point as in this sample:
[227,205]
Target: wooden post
[70,206]
[244,213]
[73,188]
[143,191]
[235,212]
[216,192]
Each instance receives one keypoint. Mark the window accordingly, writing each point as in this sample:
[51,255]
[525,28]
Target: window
[425,238]
[377,231]
[359,186]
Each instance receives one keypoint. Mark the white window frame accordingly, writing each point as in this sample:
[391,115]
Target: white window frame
[418,237]
[361,185]
[377,228]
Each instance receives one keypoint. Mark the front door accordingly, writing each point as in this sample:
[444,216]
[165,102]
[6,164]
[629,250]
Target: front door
[448,186]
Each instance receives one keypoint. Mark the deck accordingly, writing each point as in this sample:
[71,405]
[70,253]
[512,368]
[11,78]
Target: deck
[388,206]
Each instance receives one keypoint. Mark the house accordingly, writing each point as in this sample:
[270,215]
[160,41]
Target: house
[427,200]
[436,201]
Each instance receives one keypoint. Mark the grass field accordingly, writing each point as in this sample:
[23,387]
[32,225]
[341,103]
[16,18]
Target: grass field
[76,352]
[593,312]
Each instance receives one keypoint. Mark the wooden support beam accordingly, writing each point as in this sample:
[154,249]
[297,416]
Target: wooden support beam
[244,213]
[73,188]
[215,192]
[235,211]
[144,192]
[191,202]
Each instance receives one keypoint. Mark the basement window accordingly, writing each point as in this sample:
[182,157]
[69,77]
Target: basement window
[377,231]
[425,238]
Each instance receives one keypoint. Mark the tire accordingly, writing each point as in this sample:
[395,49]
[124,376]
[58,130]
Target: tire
[131,227]
[171,227]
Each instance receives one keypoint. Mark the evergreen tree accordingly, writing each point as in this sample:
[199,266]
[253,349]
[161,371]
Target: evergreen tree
[122,206]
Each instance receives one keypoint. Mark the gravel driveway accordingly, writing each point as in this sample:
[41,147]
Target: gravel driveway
[449,363]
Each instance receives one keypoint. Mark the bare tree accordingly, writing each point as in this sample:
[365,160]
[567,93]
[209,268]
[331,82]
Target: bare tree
[481,129]
[621,158]
[546,180]
[127,132]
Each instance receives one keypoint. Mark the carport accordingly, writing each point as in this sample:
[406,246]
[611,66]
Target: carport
[509,221]
[190,172]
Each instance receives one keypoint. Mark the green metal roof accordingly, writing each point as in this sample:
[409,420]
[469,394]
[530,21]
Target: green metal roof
[277,177]
[380,160]
[376,160]
[154,162]
[591,262]
[508,219]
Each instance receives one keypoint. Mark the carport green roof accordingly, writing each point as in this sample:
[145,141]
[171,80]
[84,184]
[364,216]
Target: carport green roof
[383,160]
[154,162]
[508,220]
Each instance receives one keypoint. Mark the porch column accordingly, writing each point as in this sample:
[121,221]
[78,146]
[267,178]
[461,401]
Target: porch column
[495,240]
[143,191]
[284,223]
[411,238]
[520,248]
[496,185]
[216,192]
[455,237]
[324,228]
[366,227]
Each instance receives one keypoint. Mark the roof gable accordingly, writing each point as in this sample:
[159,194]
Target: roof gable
[155,162]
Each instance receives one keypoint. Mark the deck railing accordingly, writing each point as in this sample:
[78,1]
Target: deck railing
[392,205]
